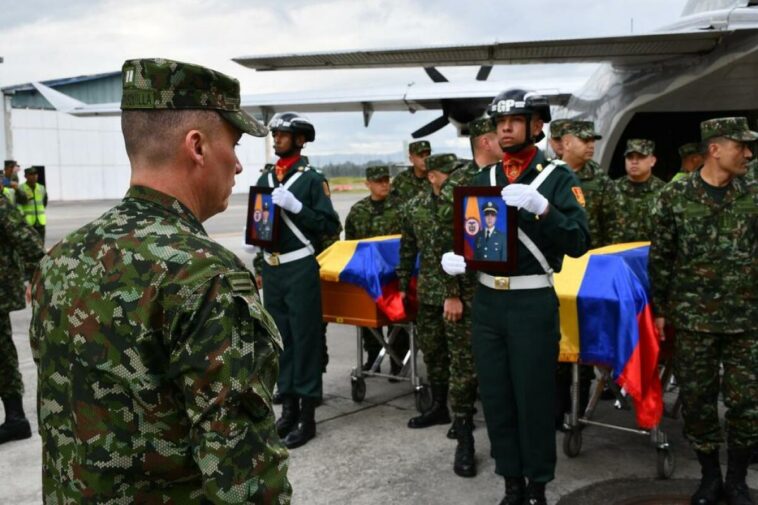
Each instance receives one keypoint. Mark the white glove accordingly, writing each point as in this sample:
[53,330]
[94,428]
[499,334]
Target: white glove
[524,197]
[286,200]
[453,264]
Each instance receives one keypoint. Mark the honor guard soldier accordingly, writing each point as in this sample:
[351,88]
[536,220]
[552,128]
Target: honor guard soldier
[376,215]
[20,251]
[291,275]
[635,193]
[32,200]
[442,321]
[556,136]
[155,355]
[692,159]
[516,352]
[704,283]
[409,183]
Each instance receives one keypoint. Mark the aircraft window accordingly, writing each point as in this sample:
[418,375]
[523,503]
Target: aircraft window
[698,6]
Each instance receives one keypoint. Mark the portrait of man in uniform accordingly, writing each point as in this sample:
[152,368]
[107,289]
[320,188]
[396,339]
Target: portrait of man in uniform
[490,242]
[262,217]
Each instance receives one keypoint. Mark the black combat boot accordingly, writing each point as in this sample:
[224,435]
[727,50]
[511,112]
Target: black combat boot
[452,433]
[515,491]
[710,489]
[465,462]
[736,491]
[535,494]
[16,426]
[437,413]
[306,428]
[290,415]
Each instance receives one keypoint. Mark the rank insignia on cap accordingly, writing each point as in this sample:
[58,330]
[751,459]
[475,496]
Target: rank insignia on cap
[578,194]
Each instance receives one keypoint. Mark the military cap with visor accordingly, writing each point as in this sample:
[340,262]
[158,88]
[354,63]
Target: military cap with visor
[420,146]
[30,171]
[584,130]
[644,147]
[377,173]
[489,208]
[10,163]
[445,163]
[161,84]
[480,126]
[689,149]
[733,128]
[558,128]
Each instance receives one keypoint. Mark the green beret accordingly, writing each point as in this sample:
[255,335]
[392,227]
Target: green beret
[643,146]
[489,208]
[445,163]
[556,128]
[420,146]
[30,170]
[689,149]
[157,83]
[377,172]
[480,126]
[584,130]
[734,128]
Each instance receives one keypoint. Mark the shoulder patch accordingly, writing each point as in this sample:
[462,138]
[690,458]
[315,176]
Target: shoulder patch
[578,194]
[241,282]
[325,185]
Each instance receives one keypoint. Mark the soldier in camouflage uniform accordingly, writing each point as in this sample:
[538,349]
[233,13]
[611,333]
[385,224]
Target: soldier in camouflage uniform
[704,279]
[20,250]
[409,183]
[556,136]
[155,355]
[376,215]
[692,159]
[635,194]
[442,322]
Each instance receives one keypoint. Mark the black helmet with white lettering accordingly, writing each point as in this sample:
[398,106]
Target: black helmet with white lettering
[293,123]
[517,102]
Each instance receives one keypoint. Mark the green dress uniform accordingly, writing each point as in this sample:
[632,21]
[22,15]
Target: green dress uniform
[291,279]
[633,203]
[516,332]
[156,362]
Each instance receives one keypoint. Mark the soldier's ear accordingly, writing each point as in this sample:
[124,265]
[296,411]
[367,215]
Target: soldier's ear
[654,160]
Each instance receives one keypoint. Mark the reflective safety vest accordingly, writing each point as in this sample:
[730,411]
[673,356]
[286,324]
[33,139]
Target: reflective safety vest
[10,194]
[34,208]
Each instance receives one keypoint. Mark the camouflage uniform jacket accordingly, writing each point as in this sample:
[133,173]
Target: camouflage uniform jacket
[599,193]
[704,257]
[156,362]
[368,218]
[633,204]
[406,185]
[421,235]
[20,251]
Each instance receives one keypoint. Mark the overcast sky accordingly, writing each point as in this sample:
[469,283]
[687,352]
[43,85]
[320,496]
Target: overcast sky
[42,39]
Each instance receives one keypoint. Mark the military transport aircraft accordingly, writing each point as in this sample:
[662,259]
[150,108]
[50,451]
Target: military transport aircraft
[658,85]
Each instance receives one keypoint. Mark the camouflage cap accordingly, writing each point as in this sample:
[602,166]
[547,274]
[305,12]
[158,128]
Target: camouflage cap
[584,130]
[157,83]
[689,149]
[10,163]
[557,128]
[377,172]
[643,146]
[420,146]
[30,171]
[734,128]
[445,163]
[489,208]
[480,126]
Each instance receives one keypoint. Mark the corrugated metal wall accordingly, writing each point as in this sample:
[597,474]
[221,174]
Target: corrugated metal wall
[106,89]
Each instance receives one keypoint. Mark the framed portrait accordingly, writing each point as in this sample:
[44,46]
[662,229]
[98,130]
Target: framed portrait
[485,229]
[263,220]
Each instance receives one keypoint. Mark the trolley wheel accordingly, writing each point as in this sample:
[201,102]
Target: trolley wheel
[423,396]
[666,463]
[572,442]
[358,388]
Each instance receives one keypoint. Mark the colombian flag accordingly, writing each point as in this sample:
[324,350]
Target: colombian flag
[605,308]
[370,264]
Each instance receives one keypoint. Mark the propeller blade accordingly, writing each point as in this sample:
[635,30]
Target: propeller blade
[435,74]
[484,72]
[431,127]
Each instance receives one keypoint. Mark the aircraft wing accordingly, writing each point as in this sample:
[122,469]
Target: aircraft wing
[624,50]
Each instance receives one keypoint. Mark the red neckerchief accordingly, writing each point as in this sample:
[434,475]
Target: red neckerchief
[514,164]
[284,164]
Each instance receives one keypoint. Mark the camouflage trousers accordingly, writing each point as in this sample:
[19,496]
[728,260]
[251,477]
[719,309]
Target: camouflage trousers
[698,360]
[447,353]
[10,377]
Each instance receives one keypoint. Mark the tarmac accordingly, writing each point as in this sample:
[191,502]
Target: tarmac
[363,453]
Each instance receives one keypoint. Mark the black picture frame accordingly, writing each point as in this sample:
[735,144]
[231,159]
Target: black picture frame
[473,209]
[258,204]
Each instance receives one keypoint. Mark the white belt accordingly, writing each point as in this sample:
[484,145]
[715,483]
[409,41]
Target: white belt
[518,282]
[276,259]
